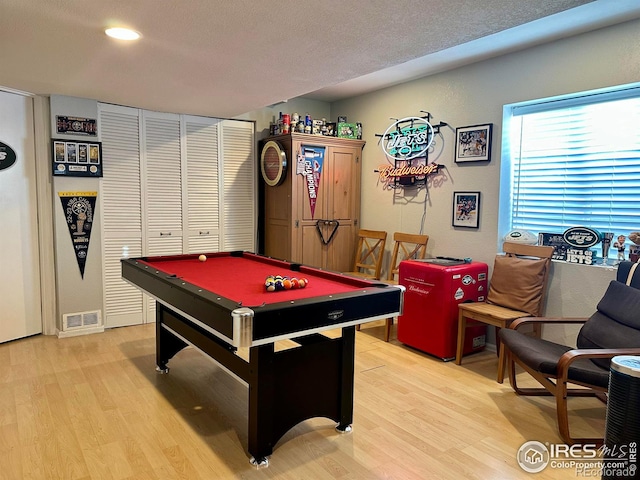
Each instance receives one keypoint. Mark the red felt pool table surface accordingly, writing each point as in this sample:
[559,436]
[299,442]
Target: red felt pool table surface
[241,278]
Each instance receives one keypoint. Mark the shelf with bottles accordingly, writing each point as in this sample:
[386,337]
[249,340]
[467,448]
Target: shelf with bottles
[295,123]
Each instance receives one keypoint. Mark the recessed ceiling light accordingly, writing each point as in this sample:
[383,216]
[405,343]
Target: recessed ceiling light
[122,33]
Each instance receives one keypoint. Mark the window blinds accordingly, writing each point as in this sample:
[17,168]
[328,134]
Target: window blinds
[577,162]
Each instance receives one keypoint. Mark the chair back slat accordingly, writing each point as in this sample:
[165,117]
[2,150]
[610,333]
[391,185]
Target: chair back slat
[540,251]
[406,246]
[370,253]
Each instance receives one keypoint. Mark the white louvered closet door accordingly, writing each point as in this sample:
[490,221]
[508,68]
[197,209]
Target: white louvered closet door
[121,207]
[172,184]
[161,163]
[239,186]
[162,182]
[202,184]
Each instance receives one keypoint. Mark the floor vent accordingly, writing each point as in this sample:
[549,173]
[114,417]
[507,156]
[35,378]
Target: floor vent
[81,320]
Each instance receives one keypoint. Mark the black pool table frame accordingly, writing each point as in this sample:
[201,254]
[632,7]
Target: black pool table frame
[313,379]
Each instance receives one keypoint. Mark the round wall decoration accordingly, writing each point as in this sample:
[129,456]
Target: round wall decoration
[7,156]
[273,163]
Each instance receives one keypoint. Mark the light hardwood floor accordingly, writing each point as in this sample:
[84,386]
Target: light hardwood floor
[92,407]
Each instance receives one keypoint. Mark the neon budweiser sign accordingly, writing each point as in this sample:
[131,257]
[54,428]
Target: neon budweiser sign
[389,172]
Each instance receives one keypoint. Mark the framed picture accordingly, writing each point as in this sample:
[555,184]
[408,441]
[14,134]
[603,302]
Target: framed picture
[473,143]
[72,158]
[466,209]
[331,129]
[347,130]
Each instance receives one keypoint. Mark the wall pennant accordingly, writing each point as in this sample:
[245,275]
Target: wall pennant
[313,161]
[79,208]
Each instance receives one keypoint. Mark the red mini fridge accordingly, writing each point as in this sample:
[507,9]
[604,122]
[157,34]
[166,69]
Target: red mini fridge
[434,288]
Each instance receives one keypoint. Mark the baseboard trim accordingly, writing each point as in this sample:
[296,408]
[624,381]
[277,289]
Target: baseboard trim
[79,331]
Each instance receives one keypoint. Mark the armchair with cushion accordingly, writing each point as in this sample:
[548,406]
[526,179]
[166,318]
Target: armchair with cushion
[614,329]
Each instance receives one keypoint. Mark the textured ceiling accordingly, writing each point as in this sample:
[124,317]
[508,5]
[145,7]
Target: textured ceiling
[227,57]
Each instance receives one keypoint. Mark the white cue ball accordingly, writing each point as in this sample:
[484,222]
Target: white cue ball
[202,258]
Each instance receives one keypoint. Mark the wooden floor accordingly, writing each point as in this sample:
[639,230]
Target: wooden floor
[92,407]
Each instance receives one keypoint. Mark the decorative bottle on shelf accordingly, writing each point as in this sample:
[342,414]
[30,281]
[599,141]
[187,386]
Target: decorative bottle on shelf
[307,123]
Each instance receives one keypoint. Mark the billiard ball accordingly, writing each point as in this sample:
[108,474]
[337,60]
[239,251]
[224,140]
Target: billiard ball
[286,283]
[301,283]
[202,258]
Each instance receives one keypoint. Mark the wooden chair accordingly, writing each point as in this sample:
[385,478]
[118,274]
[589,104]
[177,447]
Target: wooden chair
[517,289]
[406,246]
[369,254]
[613,330]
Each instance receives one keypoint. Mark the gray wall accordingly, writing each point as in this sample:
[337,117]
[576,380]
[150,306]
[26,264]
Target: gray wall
[302,106]
[466,96]
[476,94]
[74,293]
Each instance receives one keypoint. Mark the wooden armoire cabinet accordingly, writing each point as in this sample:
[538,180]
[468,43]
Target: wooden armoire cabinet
[289,228]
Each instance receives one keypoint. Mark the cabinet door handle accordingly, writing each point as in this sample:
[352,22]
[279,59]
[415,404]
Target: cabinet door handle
[163,234]
[204,233]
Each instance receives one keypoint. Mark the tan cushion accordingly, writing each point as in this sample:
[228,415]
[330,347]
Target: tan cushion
[517,283]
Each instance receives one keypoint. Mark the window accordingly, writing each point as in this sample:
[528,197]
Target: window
[573,161]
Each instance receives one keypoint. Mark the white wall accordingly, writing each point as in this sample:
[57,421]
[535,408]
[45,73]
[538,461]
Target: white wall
[475,94]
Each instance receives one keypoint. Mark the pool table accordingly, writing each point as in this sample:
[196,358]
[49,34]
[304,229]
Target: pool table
[221,304]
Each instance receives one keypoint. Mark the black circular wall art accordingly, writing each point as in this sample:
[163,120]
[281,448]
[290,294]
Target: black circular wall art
[7,156]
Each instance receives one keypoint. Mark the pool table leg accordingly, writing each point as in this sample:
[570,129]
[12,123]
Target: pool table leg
[347,380]
[293,385]
[167,344]
[261,403]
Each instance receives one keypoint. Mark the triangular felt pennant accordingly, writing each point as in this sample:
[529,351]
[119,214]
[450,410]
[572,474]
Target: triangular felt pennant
[313,161]
[79,208]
